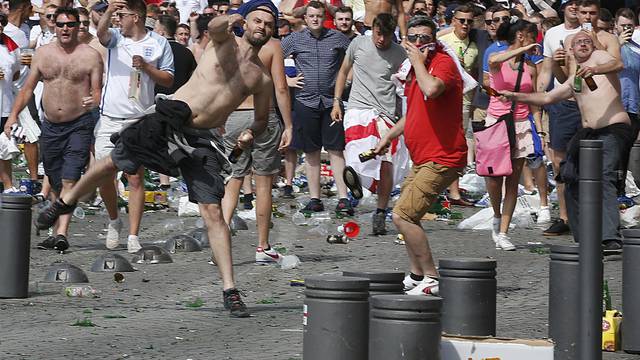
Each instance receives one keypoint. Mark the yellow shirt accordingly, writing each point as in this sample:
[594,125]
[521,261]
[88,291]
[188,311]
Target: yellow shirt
[467,52]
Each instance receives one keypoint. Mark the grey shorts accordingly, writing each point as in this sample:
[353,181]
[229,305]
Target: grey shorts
[263,156]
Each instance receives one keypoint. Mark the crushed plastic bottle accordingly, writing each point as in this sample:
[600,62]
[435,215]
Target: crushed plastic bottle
[319,218]
[299,219]
[78,213]
[82,291]
[322,230]
[288,262]
[172,225]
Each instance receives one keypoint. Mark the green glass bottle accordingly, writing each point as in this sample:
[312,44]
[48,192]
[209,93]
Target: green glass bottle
[577,81]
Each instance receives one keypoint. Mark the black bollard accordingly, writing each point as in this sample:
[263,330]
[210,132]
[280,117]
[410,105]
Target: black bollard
[15,221]
[380,283]
[631,291]
[404,327]
[336,318]
[590,193]
[468,291]
[564,296]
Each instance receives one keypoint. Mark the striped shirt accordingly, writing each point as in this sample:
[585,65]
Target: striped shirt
[319,60]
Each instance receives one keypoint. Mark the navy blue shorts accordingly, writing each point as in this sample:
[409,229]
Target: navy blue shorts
[65,148]
[312,130]
[564,122]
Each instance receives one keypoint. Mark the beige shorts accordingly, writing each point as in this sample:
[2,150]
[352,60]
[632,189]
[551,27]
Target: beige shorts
[421,187]
[105,127]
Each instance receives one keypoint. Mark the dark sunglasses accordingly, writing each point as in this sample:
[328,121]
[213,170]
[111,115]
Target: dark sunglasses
[464,21]
[50,16]
[85,23]
[422,37]
[70,24]
[487,22]
[499,19]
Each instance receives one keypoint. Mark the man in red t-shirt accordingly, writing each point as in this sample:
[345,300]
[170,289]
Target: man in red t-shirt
[300,8]
[434,136]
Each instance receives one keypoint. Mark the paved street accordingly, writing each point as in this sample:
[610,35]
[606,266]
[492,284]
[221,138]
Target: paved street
[154,313]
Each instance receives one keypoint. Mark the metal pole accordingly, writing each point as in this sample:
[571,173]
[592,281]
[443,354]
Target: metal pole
[590,192]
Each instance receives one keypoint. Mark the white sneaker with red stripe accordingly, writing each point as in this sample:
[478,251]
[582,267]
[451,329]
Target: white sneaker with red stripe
[264,257]
[409,283]
[428,286]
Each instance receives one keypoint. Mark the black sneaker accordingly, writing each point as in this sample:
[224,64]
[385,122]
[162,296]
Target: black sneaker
[234,303]
[247,201]
[352,180]
[344,207]
[559,227]
[612,247]
[47,244]
[287,192]
[37,187]
[314,205]
[379,225]
[51,213]
[61,243]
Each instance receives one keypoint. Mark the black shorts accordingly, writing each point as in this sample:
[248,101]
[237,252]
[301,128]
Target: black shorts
[564,122]
[65,148]
[312,130]
[203,175]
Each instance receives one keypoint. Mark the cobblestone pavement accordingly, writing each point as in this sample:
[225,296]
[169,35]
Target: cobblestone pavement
[147,316]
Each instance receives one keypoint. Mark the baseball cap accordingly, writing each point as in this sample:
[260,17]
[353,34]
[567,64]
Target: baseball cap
[99,6]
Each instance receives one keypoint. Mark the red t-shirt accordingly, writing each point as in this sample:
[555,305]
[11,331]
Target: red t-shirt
[433,129]
[328,19]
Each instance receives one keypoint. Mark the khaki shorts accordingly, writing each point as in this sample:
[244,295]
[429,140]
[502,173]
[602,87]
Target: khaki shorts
[421,188]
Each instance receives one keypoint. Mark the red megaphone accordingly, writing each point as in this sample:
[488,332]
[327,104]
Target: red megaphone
[351,229]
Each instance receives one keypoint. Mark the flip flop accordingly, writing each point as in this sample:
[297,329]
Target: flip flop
[352,180]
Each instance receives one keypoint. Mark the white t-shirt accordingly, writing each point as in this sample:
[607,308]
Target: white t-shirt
[185,7]
[19,37]
[552,41]
[41,37]
[155,50]
[9,64]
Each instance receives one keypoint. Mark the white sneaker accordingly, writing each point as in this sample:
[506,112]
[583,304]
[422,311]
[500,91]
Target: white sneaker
[503,242]
[113,233]
[409,283]
[270,256]
[495,229]
[544,215]
[132,244]
[428,286]
[11,190]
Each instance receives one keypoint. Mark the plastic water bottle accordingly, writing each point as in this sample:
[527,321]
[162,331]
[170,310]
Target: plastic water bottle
[81,291]
[299,219]
[319,218]
[287,262]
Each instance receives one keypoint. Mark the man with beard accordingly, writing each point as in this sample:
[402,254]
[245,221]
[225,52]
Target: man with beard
[181,136]
[603,118]
[67,67]
[344,22]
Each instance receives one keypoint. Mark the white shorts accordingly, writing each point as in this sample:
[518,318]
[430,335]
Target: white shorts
[106,127]
[30,126]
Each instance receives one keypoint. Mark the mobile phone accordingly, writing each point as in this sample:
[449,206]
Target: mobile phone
[587,26]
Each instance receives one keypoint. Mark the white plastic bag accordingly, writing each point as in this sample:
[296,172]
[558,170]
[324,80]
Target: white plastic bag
[186,208]
[473,183]
[629,217]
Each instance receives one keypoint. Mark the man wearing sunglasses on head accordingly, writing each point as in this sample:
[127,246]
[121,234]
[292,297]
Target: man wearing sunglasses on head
[67,67]
[435,139]
[137,60]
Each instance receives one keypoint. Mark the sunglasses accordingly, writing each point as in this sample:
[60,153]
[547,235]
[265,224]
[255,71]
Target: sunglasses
[123,14]
[85,23]
[422,37]
[501,19]
[464,21]
[70,24]
[488,22]
[50,16]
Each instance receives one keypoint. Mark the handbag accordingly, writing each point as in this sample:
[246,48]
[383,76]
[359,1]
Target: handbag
[494,142]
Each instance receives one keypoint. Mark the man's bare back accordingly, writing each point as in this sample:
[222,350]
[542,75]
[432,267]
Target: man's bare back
[226,75]
[68,78]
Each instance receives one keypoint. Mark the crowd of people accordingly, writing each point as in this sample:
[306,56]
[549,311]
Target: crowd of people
[228,95]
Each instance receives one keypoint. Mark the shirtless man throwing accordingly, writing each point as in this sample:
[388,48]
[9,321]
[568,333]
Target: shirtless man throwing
[374,7]
[603,118]
[228,72]
[67,67]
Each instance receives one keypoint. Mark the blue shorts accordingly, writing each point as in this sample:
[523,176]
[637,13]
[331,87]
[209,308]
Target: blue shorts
[312,129]
[564,121]
[65,148]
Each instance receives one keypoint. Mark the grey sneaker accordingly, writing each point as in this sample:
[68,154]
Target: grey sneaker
[379,226]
